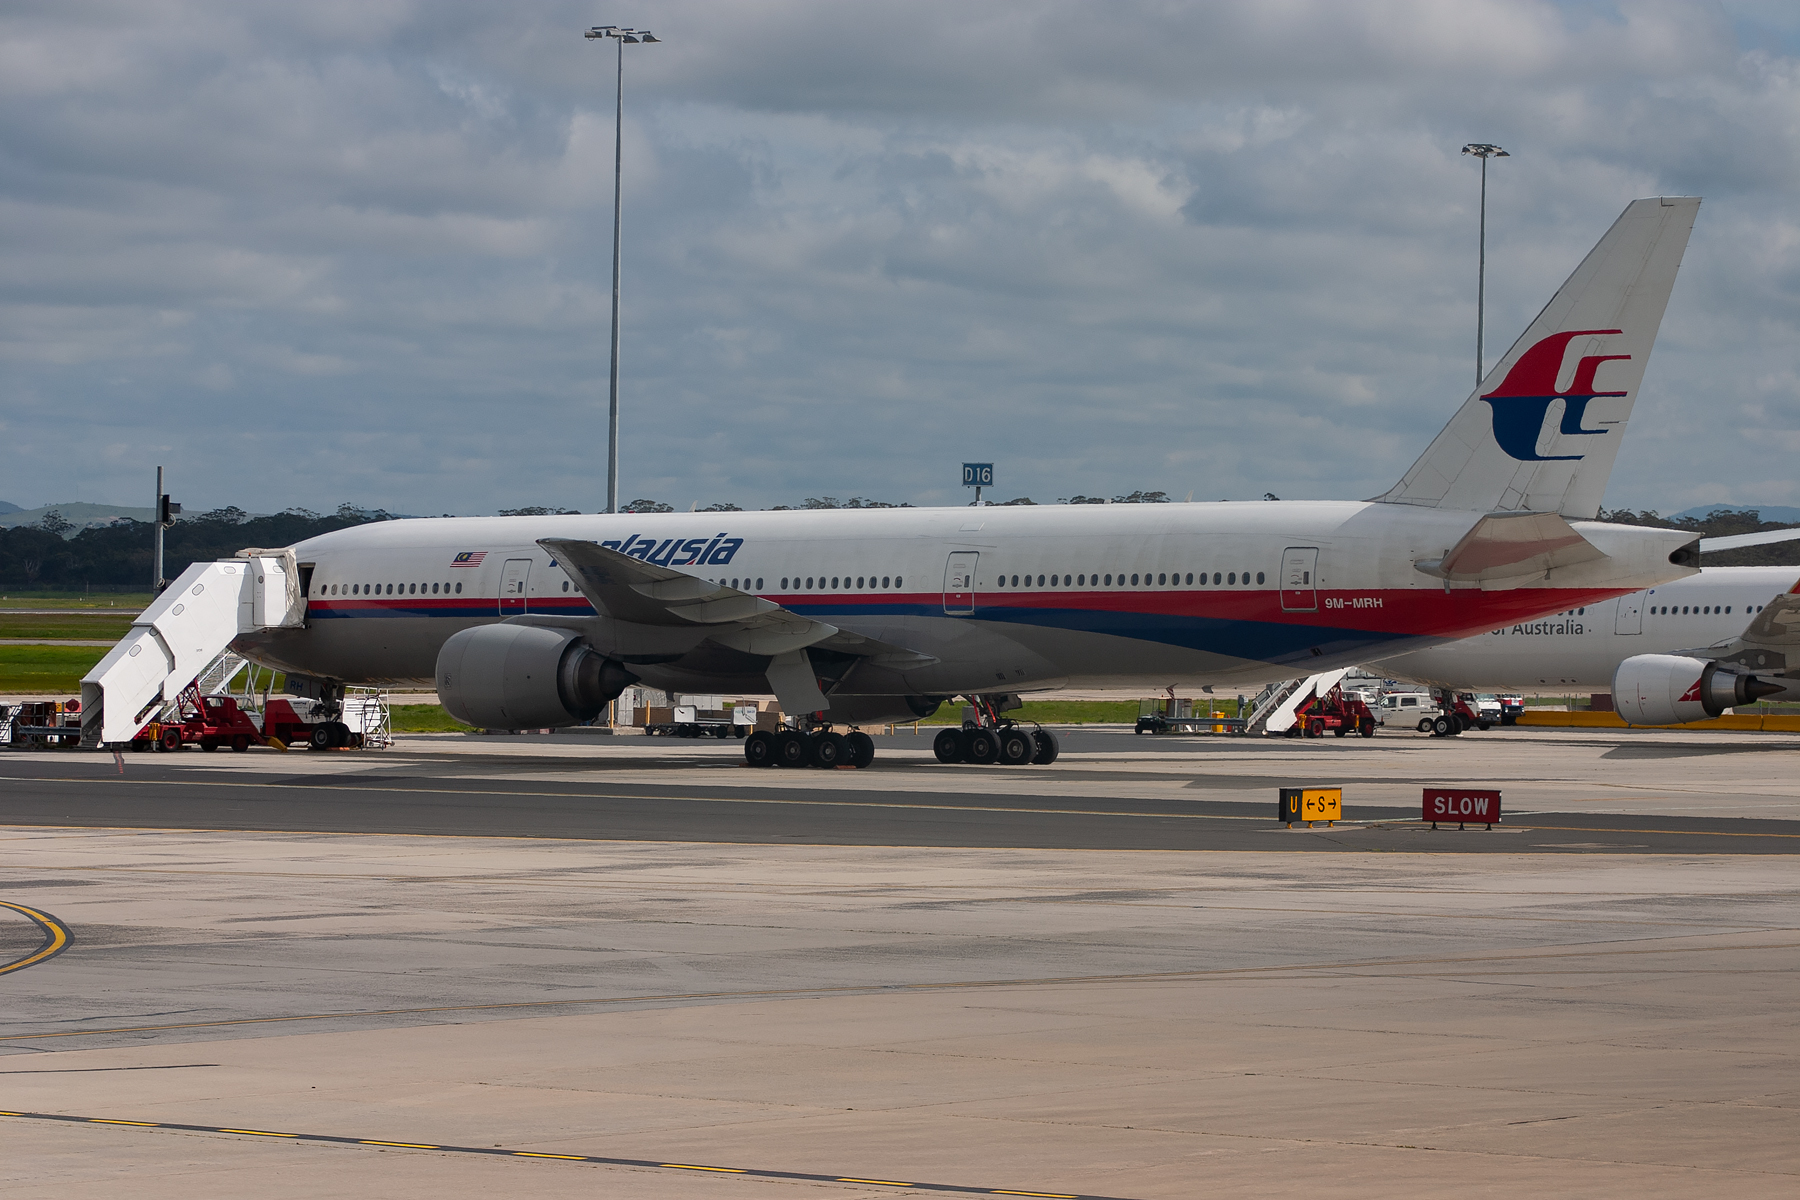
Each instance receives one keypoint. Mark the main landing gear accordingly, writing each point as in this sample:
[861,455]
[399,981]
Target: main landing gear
[816,747]
[991,738]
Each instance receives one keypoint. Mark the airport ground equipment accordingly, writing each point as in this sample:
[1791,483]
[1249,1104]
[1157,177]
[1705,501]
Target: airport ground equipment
[182,633]
[1465,806]
[693,721]
[1310,804]
[36,723]
[200,720]
[1277,708]
[1173,714]
[1332,710]
[1413,708]
[1459,713]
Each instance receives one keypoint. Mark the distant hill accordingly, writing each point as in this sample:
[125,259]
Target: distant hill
[8,508]
[1772,513]
[77,513]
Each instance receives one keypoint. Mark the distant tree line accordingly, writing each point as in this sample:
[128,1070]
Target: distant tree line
[1723,523]
[118,555]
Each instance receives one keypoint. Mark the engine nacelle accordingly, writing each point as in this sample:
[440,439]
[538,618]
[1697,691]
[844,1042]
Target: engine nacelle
[1668,689]
[525,677]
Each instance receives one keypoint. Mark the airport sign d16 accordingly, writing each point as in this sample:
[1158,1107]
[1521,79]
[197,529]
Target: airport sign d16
[978,474]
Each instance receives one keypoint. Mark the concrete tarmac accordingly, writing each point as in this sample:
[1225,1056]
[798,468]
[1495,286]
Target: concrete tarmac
[518,966]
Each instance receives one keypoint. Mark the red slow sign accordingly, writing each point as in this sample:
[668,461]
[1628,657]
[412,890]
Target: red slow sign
[1462,805]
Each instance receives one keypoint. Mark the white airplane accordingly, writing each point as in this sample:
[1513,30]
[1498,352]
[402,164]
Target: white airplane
[1679,652]
[858,617]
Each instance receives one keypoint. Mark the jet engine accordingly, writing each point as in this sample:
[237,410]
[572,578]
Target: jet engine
[525,677]
[1668,689]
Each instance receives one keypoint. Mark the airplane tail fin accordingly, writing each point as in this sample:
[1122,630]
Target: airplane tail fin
[1526,440]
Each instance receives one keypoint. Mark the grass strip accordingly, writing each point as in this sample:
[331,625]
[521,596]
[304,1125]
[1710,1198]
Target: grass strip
[75,625]
[46,670]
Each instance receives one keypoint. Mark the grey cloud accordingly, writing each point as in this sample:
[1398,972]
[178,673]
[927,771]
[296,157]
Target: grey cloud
[361,251]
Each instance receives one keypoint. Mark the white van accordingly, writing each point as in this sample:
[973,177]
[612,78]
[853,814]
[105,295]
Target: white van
[1415,710]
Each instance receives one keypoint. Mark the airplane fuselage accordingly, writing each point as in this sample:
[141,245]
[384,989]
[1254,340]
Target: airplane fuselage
[1579,648]
[993,599]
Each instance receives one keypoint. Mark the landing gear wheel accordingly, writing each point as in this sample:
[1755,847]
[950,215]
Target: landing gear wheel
[983,747]
[1048,747]
[859,749]
[1441,727]
[790,749]
[759,749]
[171,739]
[828,750]
[948,745]
[241,742]
[320,737]
[1016,747]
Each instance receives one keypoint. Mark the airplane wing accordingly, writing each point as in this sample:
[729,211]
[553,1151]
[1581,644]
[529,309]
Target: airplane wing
[1738,540]
[1770,642]
[653,609]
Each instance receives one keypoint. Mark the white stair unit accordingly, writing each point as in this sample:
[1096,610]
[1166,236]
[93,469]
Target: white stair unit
[185,634]
[1275,714]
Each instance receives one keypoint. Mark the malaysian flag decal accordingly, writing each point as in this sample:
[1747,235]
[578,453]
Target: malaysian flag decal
[469,558]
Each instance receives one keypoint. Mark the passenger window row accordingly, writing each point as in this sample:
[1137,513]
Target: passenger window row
[1160,579]
[1700,610]
[387,589]
[849,582]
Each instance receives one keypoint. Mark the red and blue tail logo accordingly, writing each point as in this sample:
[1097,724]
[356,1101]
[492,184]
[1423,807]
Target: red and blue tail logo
[1522,400]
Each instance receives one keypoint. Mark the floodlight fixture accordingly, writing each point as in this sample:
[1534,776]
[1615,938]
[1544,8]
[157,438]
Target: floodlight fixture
[1483,151]
[621,35]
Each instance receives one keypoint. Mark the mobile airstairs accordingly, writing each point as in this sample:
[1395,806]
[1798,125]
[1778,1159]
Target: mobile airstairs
[1275,708]
[185,637]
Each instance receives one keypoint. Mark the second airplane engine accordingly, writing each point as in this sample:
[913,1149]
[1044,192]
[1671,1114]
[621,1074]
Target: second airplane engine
[1668,689]
[525,677]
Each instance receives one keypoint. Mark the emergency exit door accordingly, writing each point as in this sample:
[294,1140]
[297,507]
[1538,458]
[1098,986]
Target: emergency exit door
[1631,614]
[512,586]
[1300,579]
[959,583]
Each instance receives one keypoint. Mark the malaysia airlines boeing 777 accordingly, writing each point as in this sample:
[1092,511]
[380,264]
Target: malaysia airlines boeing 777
[858,617]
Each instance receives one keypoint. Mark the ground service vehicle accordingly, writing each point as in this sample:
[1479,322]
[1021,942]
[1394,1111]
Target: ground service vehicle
[1336,712]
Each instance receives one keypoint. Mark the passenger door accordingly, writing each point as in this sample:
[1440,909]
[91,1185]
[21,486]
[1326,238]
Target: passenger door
[1299,579]
[959,583]
[512,586]
[1631,614]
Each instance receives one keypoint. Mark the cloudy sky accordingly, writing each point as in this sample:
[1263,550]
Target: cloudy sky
[309,253]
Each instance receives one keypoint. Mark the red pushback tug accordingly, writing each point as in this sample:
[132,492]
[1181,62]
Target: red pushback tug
[1333,712]
[206,721]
